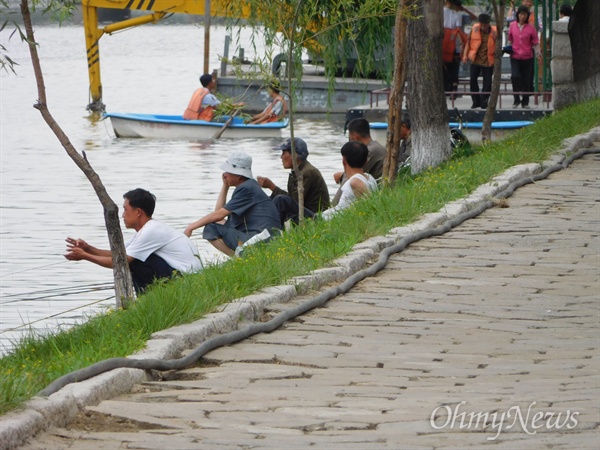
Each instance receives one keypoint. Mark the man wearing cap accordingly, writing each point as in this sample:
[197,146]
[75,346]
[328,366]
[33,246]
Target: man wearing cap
[479,50]
[249,211]
[316,194]
[203,102]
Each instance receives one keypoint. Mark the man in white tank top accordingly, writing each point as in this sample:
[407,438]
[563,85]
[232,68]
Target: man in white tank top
[354,157]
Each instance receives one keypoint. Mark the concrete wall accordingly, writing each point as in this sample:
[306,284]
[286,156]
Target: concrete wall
[566,90]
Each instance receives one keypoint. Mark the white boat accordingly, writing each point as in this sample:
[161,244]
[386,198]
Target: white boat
[472,130]
[159,126]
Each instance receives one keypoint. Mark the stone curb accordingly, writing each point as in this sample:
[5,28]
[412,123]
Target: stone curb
[60,408]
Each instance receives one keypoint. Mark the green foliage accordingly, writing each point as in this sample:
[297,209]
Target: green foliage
[335,32]
[56,10]
[37,360]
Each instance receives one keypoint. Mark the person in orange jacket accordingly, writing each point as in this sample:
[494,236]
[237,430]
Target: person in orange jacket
[203,103]
[453,42]
[479,51]
[274,111]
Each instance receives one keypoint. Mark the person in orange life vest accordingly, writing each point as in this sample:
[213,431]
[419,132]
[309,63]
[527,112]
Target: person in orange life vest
[203,102]
[454,39]
[479,50]
[274,111]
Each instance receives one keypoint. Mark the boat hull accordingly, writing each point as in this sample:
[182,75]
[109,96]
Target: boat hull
[472,130]
[156,126]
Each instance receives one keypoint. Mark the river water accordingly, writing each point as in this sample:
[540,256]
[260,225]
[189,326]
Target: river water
[45,197]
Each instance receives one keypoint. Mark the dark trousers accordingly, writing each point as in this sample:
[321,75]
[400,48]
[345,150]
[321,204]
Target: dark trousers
[521,75]
[289,209]
[451,70]
[145,272]
[487,72]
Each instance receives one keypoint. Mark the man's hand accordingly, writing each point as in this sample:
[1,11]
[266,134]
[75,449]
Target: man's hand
[337,177]
[266,183]
[188,231]
[75,254]
[77,243]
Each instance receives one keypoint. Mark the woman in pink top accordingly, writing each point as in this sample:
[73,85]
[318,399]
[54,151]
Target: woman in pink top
[525,43]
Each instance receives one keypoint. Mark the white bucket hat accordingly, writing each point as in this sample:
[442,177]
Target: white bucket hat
[238,163]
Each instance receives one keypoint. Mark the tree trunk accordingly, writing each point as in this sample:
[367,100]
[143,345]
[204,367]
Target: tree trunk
[486,129]
[396,97]
[427,102]
[122,276]
[295,168]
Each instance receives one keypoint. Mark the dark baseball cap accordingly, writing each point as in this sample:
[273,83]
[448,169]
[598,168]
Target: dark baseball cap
[299,146]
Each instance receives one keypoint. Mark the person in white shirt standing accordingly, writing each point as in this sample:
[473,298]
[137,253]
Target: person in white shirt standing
[155,251]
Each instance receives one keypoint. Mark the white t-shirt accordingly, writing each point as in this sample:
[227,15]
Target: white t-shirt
[348,197]
[452,19]
[174,247]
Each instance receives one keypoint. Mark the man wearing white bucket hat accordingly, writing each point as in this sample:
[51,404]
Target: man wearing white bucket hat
[249,211]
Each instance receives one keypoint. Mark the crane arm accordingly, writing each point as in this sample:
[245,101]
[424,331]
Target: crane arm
[157,10]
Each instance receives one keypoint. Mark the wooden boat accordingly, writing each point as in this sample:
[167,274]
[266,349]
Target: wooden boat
[472,130]
[158,126]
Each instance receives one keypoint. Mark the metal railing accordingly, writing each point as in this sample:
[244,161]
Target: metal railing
[544,97]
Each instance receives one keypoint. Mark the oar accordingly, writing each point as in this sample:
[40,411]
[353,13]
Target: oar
[226,124]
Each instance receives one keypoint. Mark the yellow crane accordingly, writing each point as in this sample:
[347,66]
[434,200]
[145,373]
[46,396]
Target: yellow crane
[157,9]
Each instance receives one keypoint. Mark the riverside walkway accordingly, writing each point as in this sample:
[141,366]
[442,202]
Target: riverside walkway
[486,335]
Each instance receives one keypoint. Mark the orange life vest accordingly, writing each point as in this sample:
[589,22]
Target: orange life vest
[449,43]
[474,43]
[195,110]
[273,117]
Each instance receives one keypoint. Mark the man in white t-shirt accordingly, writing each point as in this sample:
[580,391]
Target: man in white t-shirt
[155,251]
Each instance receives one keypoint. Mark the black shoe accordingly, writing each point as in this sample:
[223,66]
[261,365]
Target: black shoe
[475,106]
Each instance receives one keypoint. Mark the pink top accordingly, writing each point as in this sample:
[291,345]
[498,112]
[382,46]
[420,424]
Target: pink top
[522,40]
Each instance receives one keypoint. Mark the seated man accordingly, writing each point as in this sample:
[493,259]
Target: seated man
[316,194]
[203,103]
[155,251]
[249,211]
[275,111]
[360,130]
[354,157]
[405,144]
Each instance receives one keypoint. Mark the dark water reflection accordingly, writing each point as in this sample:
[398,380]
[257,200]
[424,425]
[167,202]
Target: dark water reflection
[45,197]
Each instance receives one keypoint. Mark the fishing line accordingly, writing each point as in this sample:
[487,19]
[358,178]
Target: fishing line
[87,286]
[34,268]
[55,315]
[61,292]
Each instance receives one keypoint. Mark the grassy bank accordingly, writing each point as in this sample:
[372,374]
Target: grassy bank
[35,362]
